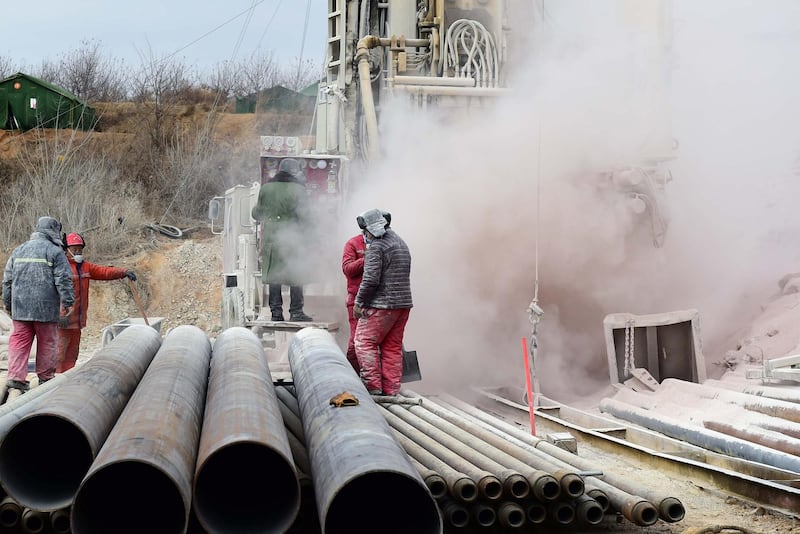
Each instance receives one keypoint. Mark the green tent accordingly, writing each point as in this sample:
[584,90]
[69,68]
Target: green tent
[277,98]
[27,102]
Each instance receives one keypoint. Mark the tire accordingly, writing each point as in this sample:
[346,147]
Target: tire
[232,307]
[165,229]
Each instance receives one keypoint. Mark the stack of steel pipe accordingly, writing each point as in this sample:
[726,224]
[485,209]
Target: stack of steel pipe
[459,439]
[703,437]
[437,436]
[612,491]
[141,480]
[363,479]
[69,423]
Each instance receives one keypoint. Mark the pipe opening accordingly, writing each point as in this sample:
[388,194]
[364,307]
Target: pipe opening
[465,490]
[575,487]
[29,477]
[601,498]
[32,521]
[645,514]
[437,486]
[563,513]
[491,489]
[536,513]
[672,510]
[10,513]
[364,504]
[59,521]
[591,513]
[485,516]
[456,515]
[129,497]
[222,501]
[512,516]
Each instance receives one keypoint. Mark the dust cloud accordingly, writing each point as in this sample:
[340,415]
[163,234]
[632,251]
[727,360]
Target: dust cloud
[489,196]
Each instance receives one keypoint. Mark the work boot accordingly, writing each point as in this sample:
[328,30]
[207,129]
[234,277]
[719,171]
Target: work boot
[300,317]
[18,384]
[275,300]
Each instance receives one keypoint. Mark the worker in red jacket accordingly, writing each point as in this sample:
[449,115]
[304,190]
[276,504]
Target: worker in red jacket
[69,327]
[353,269]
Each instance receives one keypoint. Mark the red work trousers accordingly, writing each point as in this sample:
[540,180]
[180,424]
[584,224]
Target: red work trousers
[19,349]
[351,346]
[379,349]
[69,345]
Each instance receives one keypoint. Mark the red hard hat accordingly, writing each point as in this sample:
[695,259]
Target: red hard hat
[75,239]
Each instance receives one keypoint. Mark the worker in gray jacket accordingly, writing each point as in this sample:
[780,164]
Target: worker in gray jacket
[382,306]
[37,283]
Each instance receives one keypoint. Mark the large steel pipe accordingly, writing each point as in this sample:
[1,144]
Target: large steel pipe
[773,440]
[776,408]
[708,439]
[352,450]
[791,394]
[141,480]
[77,415]
[243,432]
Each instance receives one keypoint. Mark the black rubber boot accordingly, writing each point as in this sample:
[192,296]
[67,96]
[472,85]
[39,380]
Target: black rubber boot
[296,305]
[275,300]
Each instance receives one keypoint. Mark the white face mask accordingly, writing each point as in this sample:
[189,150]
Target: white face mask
[78,258]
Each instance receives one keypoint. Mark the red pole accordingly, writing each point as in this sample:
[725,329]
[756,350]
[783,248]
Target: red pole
[525,357]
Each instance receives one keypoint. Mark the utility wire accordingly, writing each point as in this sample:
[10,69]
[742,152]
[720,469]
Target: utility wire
[244,12]
[303,43]
[269,23]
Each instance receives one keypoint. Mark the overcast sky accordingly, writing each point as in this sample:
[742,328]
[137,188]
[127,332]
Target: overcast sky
[200,32]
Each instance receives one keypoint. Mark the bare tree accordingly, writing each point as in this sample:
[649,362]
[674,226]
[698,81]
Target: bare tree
[225,80]
[299,74]
[7,67]
[158,86]
[47,71]
[88,73]
[259,71]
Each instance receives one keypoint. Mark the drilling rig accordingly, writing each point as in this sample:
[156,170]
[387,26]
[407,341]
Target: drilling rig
[439,56]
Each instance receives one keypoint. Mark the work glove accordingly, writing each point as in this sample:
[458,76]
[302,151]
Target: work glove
[131,275]
[345,398]
[358,312]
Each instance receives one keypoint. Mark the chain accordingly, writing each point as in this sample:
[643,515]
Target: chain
[630,346]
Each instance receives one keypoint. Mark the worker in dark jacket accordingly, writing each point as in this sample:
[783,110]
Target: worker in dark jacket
[353,269]
[69,331]
[37,286]
[382,306]
[282,210]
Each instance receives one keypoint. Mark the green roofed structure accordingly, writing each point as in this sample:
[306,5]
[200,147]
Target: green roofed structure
[27,102]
